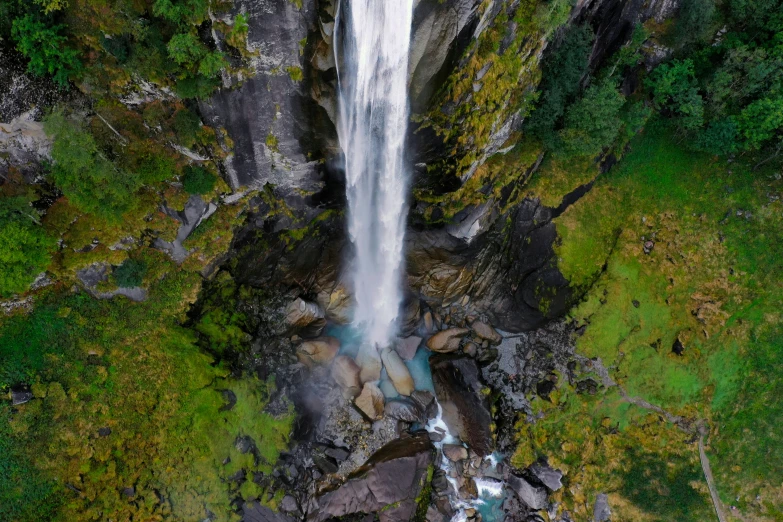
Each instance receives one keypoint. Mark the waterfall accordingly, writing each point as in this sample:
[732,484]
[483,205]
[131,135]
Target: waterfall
[372,42]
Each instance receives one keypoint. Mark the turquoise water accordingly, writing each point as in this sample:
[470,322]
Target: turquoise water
[419,367]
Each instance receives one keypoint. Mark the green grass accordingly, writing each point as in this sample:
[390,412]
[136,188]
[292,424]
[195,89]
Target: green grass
[131,367]
[712,280]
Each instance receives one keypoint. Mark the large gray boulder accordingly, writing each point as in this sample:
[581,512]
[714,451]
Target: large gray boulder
[393,476]
[465,411]
[534,497]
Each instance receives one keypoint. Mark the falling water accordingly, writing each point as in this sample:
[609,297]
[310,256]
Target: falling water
[372,47]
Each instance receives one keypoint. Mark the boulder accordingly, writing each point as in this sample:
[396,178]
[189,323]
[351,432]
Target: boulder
[369,360]
[426,401]
[337,304]
[533,496]
[404,410]
[486,332]
[549,477]
[411,314]
[370,401]
[305,316]
[447,340]
[429,325]
[465,410]
[455,452]
[407,347]
[255,512]
[20,396]
[346,372]
[397,371]
[320,351]
[601,511]
[392,476]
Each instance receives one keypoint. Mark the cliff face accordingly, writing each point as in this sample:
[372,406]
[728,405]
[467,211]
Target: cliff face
[474,67]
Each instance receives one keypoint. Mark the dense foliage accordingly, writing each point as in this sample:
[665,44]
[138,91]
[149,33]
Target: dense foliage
[198,180]
[25,247]
[102,47]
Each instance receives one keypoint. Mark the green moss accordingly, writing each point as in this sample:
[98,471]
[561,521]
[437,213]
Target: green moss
[133,368]
[708,283]
[272,143]
[295,73]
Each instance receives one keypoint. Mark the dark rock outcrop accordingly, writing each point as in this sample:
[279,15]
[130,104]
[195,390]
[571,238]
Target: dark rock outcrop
[393,476]
[458,389]
[511,275]
[278,130]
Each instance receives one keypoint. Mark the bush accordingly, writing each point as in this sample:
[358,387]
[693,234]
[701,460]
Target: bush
[25,248]
[187,125]
[198,180]
[720,137]
[130,273]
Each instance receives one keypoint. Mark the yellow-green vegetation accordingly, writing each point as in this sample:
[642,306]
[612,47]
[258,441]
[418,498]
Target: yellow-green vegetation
[557,177]
[603,444]
[497,173]
[295,73]
[128,419]
[508,79]
[692,326]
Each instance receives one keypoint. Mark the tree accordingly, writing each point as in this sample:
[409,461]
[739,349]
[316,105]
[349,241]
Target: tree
[25,248]
[130,273]
[674,88]
[592,122]
[198,180]
[694,20]
[84,174]
[760,121]
[46,48]
[561,73]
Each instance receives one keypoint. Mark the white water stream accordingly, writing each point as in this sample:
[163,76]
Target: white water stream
[372,47]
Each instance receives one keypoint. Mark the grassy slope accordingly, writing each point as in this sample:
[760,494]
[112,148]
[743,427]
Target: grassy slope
[713,282]
[132,368]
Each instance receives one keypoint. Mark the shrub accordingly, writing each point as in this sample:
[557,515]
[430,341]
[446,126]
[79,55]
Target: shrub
[25,248]
[720,137]
[198,180]
[187,124]
[130,273]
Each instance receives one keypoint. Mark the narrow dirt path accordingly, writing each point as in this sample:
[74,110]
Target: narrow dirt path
[705,466]
[687,425]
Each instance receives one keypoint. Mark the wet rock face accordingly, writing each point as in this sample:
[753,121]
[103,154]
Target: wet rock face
[441,30]
[393,476]
[21,91]
[458,389]
[510,276]
[613,21]
[271,116]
